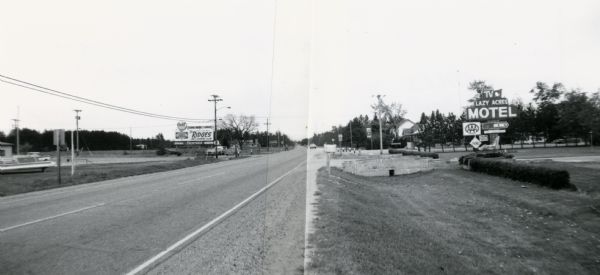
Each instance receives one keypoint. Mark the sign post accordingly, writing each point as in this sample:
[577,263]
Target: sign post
[59,139]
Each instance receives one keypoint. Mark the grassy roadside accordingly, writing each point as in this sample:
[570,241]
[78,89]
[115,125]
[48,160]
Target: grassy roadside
[16,183]
[452,221]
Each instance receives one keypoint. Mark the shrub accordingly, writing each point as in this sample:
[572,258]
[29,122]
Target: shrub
[161,151]
[553,178]
[414,153]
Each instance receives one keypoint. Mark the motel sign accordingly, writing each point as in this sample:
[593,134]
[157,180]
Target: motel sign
[490,105]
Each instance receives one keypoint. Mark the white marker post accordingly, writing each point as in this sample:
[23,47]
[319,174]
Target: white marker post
[329,149]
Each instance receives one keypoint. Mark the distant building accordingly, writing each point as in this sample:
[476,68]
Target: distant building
[405,126]
[141,146]
[5,150]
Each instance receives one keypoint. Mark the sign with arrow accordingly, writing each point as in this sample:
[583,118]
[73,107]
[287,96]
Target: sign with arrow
[495,125]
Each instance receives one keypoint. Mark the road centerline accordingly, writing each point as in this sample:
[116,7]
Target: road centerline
[51,217]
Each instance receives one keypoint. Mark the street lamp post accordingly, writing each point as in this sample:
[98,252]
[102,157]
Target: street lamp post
[77,118]
[380,130]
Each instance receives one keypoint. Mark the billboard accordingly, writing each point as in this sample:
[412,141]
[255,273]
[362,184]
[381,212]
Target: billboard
[193,134]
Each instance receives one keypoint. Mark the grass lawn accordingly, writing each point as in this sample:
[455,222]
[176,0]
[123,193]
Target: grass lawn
[15,183]
[453,221]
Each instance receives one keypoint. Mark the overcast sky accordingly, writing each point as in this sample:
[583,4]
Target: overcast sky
[330,57]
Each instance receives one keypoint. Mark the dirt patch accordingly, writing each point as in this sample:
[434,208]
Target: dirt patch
[452,221]
[15,183]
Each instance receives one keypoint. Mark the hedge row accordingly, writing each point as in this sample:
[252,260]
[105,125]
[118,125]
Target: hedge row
[414,153]
[463,159]
[544,176]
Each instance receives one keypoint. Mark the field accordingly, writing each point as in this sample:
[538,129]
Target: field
[456,221]
[15,183]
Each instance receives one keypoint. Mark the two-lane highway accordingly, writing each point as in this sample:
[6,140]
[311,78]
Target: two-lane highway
[211,218]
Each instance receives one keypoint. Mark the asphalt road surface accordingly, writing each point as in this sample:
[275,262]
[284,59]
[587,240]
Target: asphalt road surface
[241,216]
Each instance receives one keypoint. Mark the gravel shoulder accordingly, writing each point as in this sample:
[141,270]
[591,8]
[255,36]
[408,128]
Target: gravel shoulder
[452,221]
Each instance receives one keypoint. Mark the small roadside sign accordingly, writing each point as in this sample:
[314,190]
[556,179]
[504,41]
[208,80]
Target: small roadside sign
[495,131]
[340,137]
[475,142]
[483,138]
[368,132]
[330,148]
[471,128]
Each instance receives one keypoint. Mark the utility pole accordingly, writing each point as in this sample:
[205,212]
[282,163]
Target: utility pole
[77,118]
[215,99]
[268,139]
[16,120]
[72,155]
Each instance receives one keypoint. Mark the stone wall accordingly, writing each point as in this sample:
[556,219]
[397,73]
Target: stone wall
[401,165]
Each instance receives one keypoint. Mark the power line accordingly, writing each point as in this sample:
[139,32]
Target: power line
[53,92]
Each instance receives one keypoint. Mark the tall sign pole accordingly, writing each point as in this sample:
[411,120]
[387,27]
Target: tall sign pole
[215,99]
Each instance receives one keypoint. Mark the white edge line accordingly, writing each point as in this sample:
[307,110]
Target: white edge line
[51,217]
[192,235]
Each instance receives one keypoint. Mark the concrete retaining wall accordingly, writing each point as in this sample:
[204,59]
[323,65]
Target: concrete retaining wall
[401,165]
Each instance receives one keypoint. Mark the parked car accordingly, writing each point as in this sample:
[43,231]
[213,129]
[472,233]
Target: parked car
[23,164]
[313,146]
[220,151]
[38,156]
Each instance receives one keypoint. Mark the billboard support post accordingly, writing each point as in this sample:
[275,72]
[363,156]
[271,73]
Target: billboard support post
[59,139]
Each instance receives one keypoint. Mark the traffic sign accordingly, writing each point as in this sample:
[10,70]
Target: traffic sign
[475,142]
[368,132]
[471,128]
[483,138]
[59,137]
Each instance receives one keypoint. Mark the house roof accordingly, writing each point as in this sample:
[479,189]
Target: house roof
[403,121]
[5,144]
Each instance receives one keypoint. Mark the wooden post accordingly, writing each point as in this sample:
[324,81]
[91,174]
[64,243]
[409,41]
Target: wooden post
[58,162]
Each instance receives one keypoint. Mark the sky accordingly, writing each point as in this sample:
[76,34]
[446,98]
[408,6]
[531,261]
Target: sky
[308,65]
